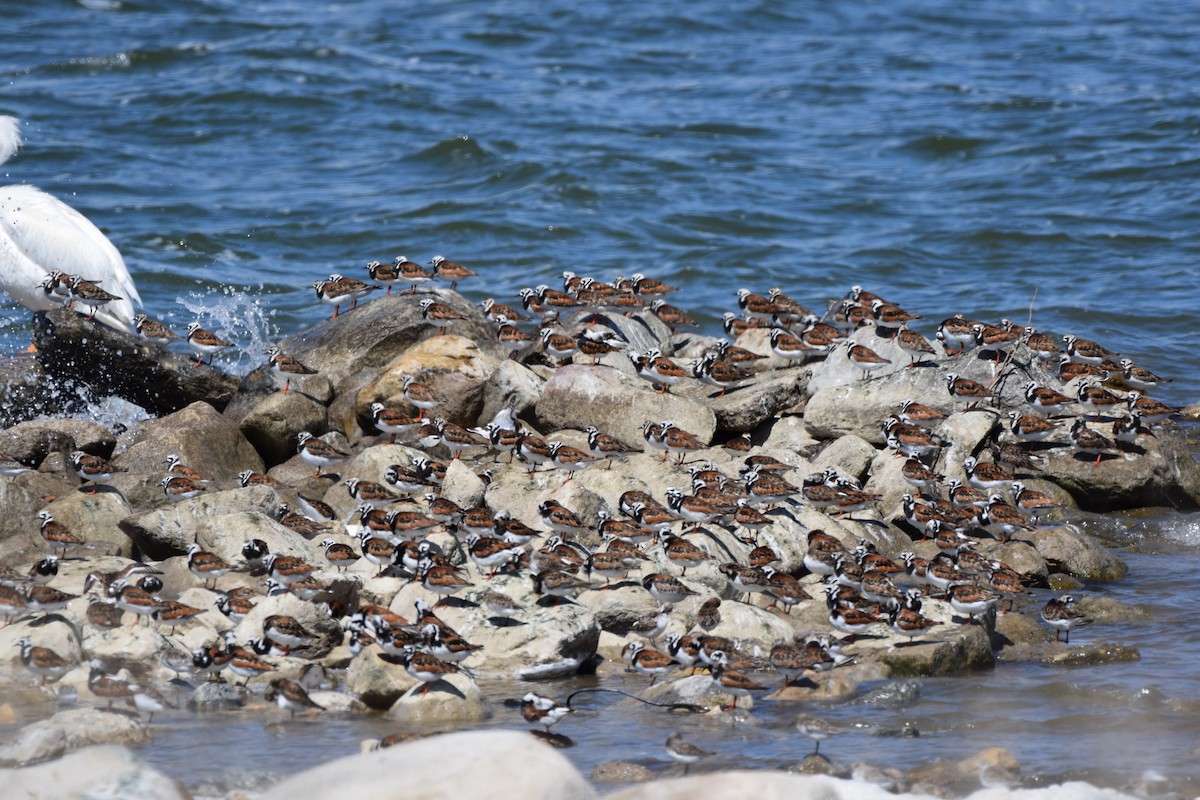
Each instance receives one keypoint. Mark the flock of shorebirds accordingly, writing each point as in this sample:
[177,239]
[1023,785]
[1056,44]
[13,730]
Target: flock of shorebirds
[865,591]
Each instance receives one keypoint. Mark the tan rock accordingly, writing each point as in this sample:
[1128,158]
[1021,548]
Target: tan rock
[100,771]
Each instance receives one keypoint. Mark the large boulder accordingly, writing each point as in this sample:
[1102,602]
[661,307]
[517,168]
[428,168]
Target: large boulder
[199,435]
[272,423]
[110,362]
[71,730]
[93,772]
[170,530]
[488,765]
[579,395]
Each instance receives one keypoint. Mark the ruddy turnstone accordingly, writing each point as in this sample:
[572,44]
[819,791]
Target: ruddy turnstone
[42,661]
[730,681]
[1127,429]
[90,294]
[650,662]
[206,566]
[205,342]
[541,710]
[443,580]
[645,286]
[290,696]
[787,346]
[907,620]
[986,475]
[1093,397]
[439,315]
[970,600]
[338,289]
[683,751]
[665,588]
[286,367]
[966,389]
[1041,345]
[56,534]
[410,272]
[601,445]
[1089,441]
[1151,410]
[43,571]
[1060,614]
[153,330]
[338,554]
[450,271]
[559,584]
[653,366]
[1033,502]
[420,396]
[1030,427]
[287,570]
[913,343]
[866,359]
[179,487]
[93,469]
[1086,351]
[1139,377]
[672,316]
[370,493]
[956,334]
[426,667]
[316,451]
[756,307]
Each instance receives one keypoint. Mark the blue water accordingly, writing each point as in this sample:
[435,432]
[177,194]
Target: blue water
[977,158]
[951,158]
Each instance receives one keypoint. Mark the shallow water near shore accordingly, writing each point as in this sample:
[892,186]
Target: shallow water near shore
[980,159]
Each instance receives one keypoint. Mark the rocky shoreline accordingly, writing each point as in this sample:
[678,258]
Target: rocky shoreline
[809,419]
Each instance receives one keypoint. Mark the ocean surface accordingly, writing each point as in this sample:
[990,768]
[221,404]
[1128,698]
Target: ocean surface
[1000,159]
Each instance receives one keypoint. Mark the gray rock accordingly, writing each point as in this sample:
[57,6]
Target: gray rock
[376,682]
[31,442]
[454,699]
[489,765]
[217,696]
[199,435]
[91,773]
[515,382]
[1165,474]
[71,730]
[168,531]
[110,362]
[759,399]
[580,395]
[94,518]
[272,424]
[1067,549]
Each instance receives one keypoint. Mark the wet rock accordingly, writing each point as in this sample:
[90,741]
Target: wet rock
[376,682]
[1105,610]
[71,730]
[1061,582]
[696,690]
[109,362]
[994,764]
[168,531]
[759,399]
[199,435]
[621,772]
[31,442]
[28,391]
[217,696]
[894,694]
[1016,629]
[946,651]
[456,698]
[580,395]
[489,765]
[272,424]
[1067,549]
[1075,654]
[816,764]
[1166,474]
[92,772]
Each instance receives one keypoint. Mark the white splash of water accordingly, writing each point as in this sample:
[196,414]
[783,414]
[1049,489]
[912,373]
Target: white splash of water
[236,316]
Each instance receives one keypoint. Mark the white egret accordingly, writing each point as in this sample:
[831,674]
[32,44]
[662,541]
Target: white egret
[40,233]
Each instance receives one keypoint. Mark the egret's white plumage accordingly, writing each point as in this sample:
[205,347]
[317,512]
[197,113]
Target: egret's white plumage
[40,233]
